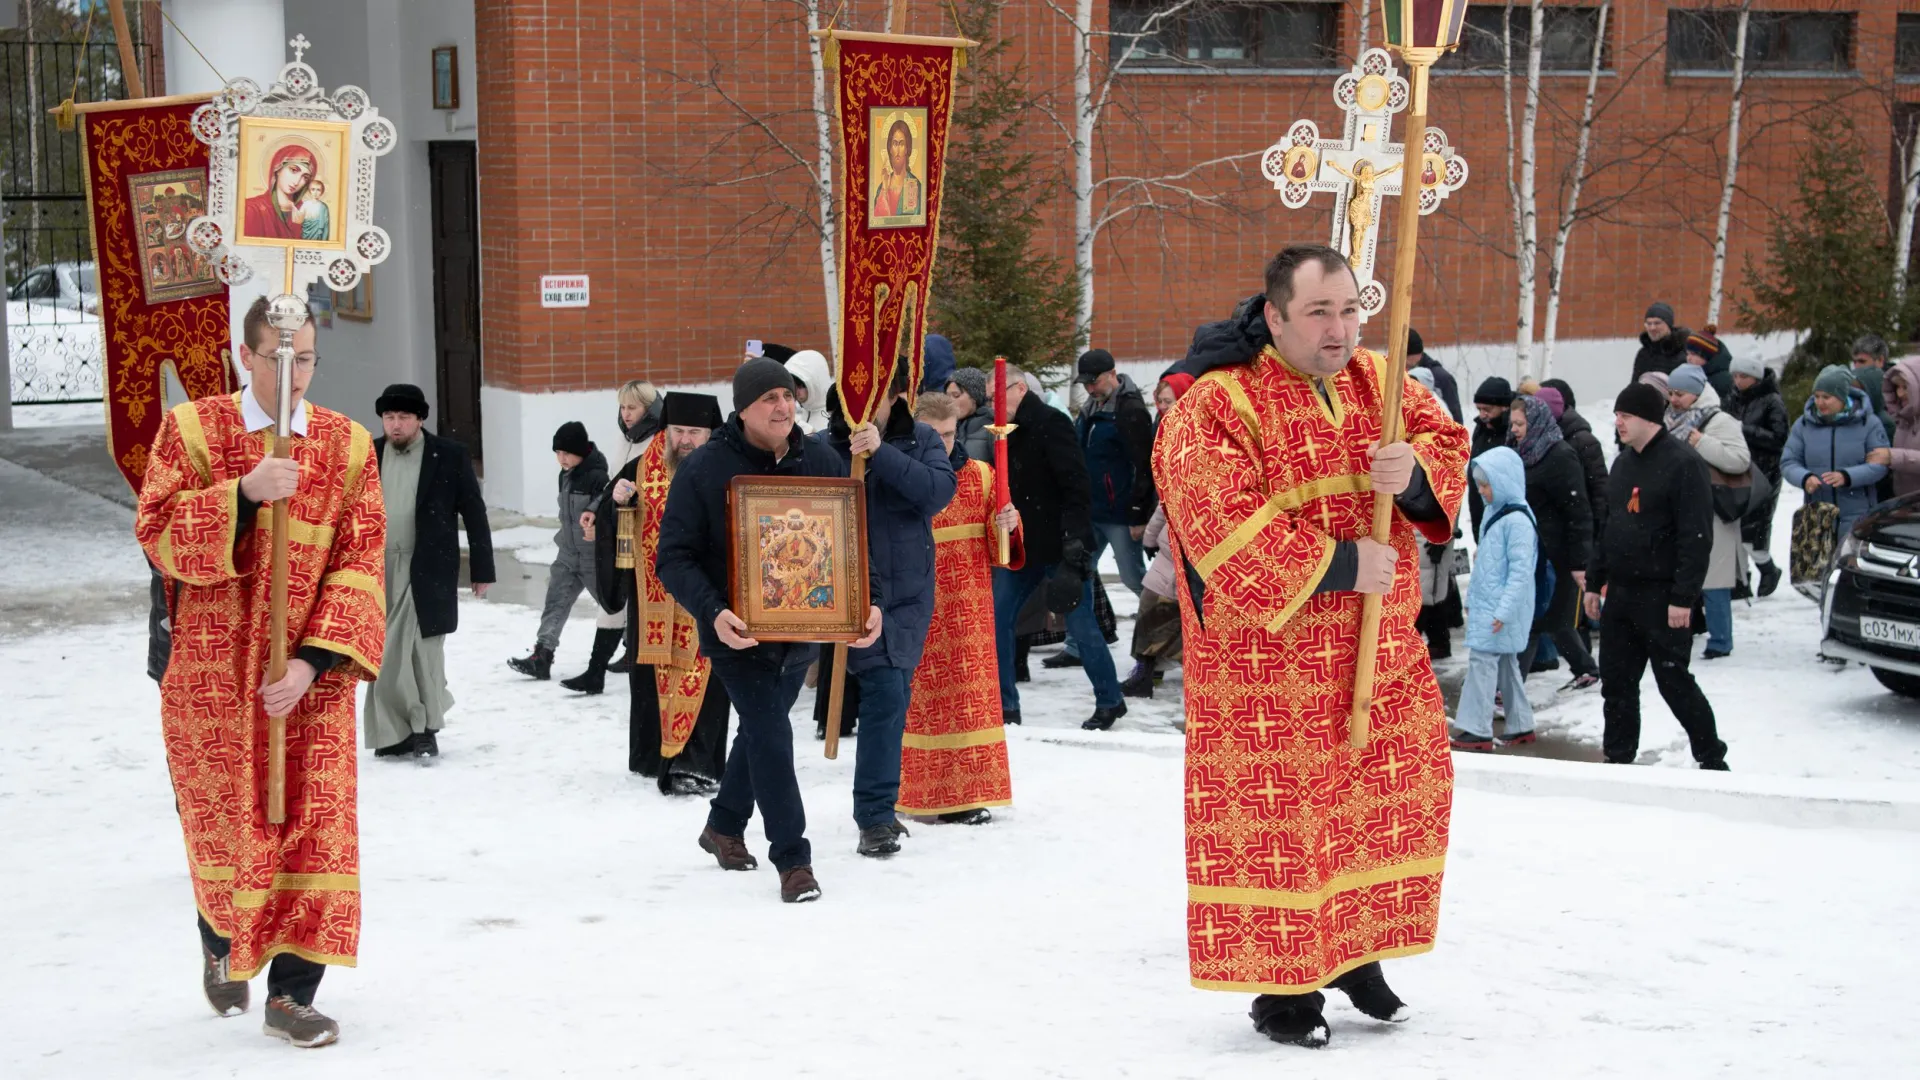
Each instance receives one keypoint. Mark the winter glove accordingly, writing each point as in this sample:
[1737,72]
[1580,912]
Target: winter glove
[1067,579]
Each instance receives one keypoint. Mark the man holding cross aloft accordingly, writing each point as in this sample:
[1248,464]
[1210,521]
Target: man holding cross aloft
[1308,861]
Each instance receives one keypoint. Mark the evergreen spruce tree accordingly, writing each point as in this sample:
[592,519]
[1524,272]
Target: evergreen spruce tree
[995,292]
[1828,269]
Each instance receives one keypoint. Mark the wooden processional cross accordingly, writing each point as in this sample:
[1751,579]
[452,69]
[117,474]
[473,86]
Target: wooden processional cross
[1362,167]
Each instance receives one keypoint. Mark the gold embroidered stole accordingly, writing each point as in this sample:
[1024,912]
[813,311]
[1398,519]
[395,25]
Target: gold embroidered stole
[669,639]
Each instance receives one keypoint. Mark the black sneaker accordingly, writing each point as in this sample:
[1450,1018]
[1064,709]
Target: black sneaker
[1062,659]
[1716,654]
[1367,988]
[979,815]
[538,666]
[1103,718]
[425,745]
[1715,766]
[879,841]
[1293,1019]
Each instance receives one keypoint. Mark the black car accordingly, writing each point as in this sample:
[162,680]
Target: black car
[1871,610]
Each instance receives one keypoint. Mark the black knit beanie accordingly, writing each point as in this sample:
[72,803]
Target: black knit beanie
[1643,401]
[572,438]
[756,377]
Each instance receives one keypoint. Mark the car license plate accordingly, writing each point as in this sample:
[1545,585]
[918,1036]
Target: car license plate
[1888,632]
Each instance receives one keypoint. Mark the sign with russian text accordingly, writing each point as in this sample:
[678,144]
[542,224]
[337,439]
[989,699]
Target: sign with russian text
[563,290]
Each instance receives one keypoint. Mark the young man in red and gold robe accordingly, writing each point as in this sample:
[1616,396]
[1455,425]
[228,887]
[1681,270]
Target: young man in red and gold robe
[287,893]
[953,756]
[1307,862]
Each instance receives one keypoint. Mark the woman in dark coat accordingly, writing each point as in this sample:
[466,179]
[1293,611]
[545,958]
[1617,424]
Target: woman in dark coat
[1557,494]
[1762,413]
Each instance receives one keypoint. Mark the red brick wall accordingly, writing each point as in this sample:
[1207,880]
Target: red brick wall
[598,152]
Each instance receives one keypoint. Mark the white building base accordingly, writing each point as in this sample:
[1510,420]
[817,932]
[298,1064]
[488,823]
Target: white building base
[517,430]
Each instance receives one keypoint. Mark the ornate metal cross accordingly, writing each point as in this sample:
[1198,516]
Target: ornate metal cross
[300,46]
[1363,166]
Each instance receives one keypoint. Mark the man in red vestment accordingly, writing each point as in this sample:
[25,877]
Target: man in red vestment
[288,894]
[1308,862]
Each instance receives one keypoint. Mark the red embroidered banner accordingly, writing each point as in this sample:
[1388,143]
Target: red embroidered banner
[895,96]
[160,303]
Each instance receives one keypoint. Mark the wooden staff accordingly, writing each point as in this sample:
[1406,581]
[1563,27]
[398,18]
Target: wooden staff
[1399,314]
[837,682]
[123,36]
[277,597]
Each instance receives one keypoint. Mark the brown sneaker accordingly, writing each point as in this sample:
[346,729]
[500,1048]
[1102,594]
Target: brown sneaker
[797,885]
[227,997]
[301,1025]
[729,851]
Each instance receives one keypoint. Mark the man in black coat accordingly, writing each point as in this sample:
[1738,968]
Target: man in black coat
[909,479]
[1646,576]
[762,678]
[1491,401]
[425,480]
[1593,457]
[1663,346]
[1047,477]
[1443,380]
[1116,435]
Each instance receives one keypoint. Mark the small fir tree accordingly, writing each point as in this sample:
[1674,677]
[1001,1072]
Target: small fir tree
[1828,269]
[995,292]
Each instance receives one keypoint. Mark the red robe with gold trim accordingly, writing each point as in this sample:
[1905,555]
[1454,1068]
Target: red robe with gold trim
[1305,858]
[953,755]
[293,887]
[669,639]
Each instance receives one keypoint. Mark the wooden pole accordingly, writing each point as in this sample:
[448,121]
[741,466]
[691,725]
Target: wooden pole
[837,682]
[277,601]
[123,36]
[1399,315]
[897,17]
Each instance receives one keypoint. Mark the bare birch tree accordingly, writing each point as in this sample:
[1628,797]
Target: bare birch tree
[1527,243]
[1180,190]
[823,178]
[1570,208]
[1909,202]
[1715,286]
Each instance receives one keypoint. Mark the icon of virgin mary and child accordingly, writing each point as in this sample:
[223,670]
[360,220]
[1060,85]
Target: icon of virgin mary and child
[290,208]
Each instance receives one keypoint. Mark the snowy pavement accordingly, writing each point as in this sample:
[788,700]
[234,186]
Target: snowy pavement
[533,910]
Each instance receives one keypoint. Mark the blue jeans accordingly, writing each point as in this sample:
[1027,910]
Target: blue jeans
[1486,672]
[760,768]
[1719,607]
[1126,551]
[885,693]
[1010,591]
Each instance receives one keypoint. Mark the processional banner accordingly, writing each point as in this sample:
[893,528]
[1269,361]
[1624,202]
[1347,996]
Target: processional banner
[162,303]
[894,99]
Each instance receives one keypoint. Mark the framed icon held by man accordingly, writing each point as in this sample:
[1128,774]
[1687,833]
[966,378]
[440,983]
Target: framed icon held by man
[798,570]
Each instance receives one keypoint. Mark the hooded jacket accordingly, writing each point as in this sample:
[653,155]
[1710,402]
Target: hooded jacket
[1763,420]
[1117,437]
[1906,427]
[1818,445]
[696,532]
[1501,588]
[1661,356]
[937,364]
[810,368]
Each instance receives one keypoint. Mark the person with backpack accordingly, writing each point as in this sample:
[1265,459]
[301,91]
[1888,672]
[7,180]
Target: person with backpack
[1501,599]
[1556,492]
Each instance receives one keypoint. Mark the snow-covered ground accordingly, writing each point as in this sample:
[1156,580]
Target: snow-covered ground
[534,910]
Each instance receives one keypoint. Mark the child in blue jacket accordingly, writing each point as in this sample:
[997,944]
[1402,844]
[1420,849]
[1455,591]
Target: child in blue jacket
[1500,605]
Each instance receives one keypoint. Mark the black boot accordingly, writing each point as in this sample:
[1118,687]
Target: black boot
[1769,578]
[1293,1019]
[1140,683]
[1020,671]
[623,665]
[594,679]
[1367,988]
[1103,718]
[539,665]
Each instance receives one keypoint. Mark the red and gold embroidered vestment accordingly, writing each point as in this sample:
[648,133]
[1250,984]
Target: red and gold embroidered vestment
[293,887]
[953,755]
[1305,858]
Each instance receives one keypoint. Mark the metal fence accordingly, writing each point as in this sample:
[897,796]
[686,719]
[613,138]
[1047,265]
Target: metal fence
[53,325]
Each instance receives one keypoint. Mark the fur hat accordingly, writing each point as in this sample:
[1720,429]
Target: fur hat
[401,397]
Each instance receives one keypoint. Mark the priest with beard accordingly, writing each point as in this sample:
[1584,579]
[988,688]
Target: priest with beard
[677,724]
